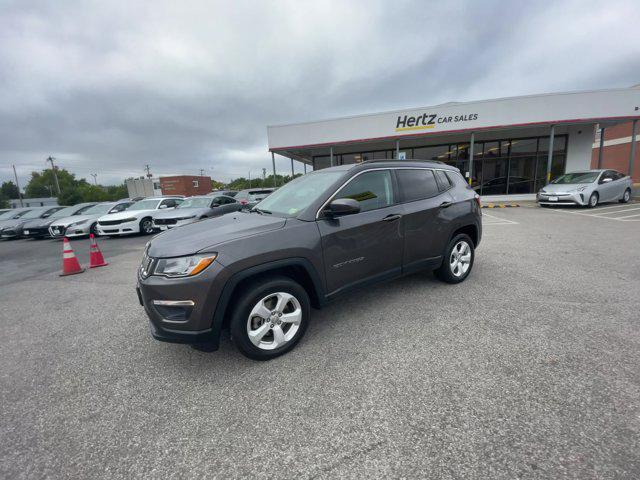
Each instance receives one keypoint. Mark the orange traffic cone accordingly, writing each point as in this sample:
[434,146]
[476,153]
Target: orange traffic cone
[95,255]
[70,264]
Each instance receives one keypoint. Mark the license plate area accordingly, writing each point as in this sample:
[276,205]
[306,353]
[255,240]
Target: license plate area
[553,199]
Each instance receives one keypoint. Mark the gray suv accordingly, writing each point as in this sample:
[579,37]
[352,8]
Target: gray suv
[318,237]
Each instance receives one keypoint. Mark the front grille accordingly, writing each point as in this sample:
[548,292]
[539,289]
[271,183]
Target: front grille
[165,221]
[37,231]
[106,223]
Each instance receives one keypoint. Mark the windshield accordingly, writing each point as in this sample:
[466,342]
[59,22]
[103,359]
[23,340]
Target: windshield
[100,208]
[298,194]
[195,202]
[35,213]
[12,214]
[576,177]
[65,212]
[144,205]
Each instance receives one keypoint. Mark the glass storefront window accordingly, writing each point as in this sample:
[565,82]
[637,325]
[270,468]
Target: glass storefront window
[438,152]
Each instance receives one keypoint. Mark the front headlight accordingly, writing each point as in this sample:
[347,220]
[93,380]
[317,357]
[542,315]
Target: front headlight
[183,266]
[75,224]
[581,189]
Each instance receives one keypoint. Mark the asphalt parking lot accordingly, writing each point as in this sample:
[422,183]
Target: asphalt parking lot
[529,369]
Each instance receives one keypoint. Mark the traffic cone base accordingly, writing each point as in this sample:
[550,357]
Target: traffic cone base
[70,264]
[95,255]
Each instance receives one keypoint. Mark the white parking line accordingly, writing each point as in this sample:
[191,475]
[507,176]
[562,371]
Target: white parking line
[497,220]
[629,216]
[608,214]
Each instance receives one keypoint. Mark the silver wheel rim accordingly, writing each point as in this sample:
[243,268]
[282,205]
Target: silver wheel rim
[274,320]
[626,196]
[594,200]
[460,259]
[146,226]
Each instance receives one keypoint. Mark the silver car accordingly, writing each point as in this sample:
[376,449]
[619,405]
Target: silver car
[586,188]
[194,209]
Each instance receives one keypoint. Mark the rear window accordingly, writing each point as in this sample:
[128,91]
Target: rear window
[416,184]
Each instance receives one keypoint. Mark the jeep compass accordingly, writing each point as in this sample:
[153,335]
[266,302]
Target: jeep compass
[321,235]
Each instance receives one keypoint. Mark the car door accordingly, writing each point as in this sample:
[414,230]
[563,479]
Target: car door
[222,208]
[365,246]
[426,204]
[607,186]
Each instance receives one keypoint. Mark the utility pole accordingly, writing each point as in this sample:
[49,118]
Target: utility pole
[95,178]
[202,172]
[55,175]
[148,169]
[17,185]
[264,175]
[249,178]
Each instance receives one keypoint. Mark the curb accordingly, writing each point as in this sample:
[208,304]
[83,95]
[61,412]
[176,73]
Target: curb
[501,205]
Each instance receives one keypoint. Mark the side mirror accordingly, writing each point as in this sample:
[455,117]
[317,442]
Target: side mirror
[162,207]
[607,180]
[214,205]
[343,206]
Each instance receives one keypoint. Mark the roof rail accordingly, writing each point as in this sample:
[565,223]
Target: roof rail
[378,160]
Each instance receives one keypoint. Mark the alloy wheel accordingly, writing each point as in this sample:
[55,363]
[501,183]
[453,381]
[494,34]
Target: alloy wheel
[460,259]
[147,227]
[274,320]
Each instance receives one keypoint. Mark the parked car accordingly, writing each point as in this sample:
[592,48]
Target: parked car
[14,228]
[85,223]
[587,188]
[319,236]
[13,214]
[194,209]
[138,218]
[40,228]
[250,197]
[228,193]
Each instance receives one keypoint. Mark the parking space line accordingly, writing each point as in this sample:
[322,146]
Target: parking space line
[606,215]
[629,216]
[498,220]
[624,210]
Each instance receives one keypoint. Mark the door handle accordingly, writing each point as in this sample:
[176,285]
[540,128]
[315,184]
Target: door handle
[445,204]
[391,218]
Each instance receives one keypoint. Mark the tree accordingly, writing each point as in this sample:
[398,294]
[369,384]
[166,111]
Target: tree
[216,185]
[8,190]
[43,184]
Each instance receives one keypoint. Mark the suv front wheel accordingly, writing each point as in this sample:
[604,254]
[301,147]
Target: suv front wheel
[270,318]
[458,260]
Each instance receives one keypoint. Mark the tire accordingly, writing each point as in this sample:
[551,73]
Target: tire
[94,229]
[453,270]
[626,196]
[146,226]
[593,200]
[270,339]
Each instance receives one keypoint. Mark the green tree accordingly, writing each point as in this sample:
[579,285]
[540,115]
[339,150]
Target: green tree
[8,190]
[43,184]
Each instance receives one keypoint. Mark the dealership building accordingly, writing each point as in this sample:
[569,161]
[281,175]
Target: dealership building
[503,146]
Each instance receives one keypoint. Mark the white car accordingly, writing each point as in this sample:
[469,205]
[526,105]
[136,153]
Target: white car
[83,224]
[138,218]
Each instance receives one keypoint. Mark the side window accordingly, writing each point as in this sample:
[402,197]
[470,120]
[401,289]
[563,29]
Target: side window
[219,200]
[372,189]
[416,184]
[608,174]
[443,181]
[169,202]
[618,176]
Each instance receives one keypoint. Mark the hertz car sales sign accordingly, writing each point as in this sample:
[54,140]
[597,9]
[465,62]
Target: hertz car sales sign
[428,121]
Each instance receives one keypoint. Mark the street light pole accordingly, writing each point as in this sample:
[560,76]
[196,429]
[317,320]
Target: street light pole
[95,178]
[17,185]
[55,175]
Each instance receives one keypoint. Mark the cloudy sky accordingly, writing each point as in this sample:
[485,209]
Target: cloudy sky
[109,86]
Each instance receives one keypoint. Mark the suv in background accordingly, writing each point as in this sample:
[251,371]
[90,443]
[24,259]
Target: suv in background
[319,236]
[250,197]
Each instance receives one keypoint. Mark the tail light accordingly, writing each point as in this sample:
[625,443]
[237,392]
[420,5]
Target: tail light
[243,202]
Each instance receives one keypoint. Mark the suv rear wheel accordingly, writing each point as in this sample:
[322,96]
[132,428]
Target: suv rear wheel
[270,318]
[458,260]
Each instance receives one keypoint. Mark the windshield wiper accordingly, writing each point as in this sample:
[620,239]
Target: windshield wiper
[260,211]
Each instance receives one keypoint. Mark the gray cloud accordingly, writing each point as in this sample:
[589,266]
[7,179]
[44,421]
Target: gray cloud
[108,87]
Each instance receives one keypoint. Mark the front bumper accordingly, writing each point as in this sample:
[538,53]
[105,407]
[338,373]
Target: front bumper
[11,233]
[574,198]
[119,229]
[37,232]
[193,323]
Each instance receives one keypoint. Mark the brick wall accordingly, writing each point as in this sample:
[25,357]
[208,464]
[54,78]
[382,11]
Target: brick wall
[185,185]
[617,156]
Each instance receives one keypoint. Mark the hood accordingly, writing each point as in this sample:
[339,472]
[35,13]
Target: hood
[206,235]
[126,214]
[39,223]
[66,221]
[563,188]
[12,223]
[182,212]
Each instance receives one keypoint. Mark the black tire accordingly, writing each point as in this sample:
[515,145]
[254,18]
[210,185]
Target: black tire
[94,229]
[593,200]
[445,272]
[146,226]
[626,196]
[251,295]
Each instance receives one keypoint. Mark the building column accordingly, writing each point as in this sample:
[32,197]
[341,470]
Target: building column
[305,167]
[397,149]
[292,168]
[471,142]
[331,155]
[601,149]
[273,162]
[632,153]
[550,154]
